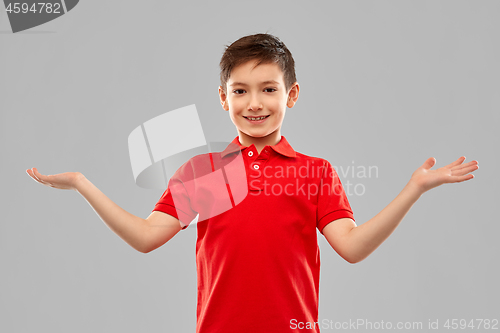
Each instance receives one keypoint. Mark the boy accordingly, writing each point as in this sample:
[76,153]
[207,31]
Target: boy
[258,262]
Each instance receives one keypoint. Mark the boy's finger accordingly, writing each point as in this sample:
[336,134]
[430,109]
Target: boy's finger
[461,166]
[429,163]
[458,161]
[470,168]
[32,176]
[464,178]
[39,176]
[35,173]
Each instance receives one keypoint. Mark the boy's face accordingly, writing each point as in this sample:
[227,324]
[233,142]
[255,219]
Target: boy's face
[255,92]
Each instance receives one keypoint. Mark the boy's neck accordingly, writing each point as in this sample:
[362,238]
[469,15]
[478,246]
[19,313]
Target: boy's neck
[269,140]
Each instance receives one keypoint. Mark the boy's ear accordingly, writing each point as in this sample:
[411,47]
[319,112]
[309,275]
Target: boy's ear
[293,95]
[223,99]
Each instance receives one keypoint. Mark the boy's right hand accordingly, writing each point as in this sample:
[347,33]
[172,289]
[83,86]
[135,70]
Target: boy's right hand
[63,181]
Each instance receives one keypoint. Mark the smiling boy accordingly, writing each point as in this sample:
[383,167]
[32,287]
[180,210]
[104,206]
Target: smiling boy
[258,263]
[258,91]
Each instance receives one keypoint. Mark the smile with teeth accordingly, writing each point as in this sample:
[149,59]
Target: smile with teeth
[258,118]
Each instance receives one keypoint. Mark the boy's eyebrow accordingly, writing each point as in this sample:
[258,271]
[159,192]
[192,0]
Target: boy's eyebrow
[244,84]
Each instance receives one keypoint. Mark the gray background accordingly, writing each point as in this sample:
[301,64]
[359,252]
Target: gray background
[383,83]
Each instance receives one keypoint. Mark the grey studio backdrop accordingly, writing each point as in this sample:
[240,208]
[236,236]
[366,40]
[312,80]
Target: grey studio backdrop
[385,84]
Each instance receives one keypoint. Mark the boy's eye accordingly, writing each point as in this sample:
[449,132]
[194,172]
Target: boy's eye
[241,91]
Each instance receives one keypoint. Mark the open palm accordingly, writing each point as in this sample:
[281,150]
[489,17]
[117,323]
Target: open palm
[64,181]
[455,172]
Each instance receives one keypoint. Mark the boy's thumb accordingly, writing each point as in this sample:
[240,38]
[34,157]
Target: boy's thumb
[431,161]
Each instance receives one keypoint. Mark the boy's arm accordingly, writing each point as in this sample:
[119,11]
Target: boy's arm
[144,235]
[162,227]
[355,243]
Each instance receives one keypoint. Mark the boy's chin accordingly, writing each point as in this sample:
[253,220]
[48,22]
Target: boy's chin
[256,134]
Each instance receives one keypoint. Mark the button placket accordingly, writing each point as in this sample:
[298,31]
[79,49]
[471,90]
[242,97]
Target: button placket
[256,162]
[253,181]
[260,162]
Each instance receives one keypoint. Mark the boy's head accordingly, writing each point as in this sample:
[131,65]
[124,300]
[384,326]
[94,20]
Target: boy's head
[258,79]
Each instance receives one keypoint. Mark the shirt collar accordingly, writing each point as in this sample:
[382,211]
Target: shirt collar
[282,147]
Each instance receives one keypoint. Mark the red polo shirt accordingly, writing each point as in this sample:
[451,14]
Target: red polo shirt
[257,253]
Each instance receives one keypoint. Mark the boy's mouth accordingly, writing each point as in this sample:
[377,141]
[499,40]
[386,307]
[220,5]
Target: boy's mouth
[256,118]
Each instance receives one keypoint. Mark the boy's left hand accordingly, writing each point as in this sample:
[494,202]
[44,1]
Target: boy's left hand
[425,179]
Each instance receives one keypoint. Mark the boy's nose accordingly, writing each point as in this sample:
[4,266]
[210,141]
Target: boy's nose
[255,104]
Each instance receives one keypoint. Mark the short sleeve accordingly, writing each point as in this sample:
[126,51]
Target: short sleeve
[175,200]
[332,200]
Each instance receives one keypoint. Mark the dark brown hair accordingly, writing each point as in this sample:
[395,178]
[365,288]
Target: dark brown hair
[264,48]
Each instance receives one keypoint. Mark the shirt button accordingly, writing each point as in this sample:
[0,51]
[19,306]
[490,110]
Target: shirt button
[250,153]
[256,166]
